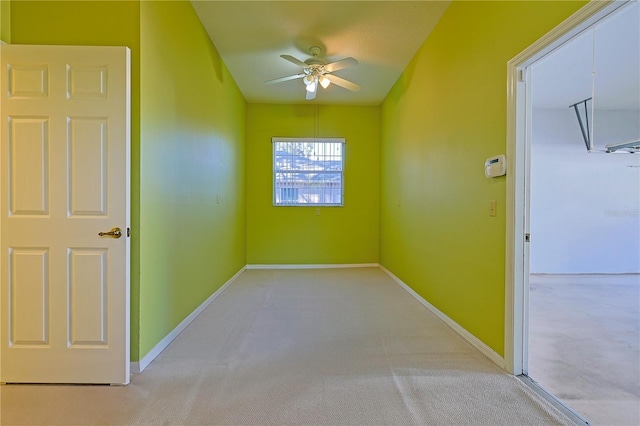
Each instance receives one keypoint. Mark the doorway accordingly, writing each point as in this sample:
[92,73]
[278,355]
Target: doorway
[558,181]
[584,261]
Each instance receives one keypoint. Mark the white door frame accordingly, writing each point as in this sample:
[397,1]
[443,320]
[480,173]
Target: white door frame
[518,145]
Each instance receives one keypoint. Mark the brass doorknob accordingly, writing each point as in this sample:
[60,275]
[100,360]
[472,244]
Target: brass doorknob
[114,233]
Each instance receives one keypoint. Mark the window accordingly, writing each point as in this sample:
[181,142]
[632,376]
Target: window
[308,172]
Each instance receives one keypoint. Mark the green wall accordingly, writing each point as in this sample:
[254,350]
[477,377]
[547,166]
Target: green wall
[192,173]
[92,24]
[5,21]
[442,119]
[290,235]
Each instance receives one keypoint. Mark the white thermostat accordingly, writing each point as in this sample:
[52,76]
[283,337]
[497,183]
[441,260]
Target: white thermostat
[495,166]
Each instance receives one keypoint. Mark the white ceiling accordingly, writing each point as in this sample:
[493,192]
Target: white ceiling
[385,35]
[382,35]
[602,62]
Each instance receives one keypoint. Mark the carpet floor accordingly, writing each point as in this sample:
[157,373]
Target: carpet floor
[332,346]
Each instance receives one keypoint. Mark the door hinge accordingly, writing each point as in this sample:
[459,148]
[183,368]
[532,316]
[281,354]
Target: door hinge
[527,238]
[521,75]
[128,232]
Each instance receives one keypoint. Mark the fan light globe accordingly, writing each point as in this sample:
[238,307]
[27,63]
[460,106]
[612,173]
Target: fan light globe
[308,79]
[312,87]
[324,82]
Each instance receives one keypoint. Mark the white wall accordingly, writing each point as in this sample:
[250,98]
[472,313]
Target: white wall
[584,206]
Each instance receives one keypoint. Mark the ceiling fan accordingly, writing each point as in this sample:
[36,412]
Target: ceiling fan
[317,72]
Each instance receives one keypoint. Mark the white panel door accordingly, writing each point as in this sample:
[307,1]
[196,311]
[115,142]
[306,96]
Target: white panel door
[64,175]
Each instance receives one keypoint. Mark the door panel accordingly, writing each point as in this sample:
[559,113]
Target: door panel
[28,165]
[88,166]
[64,174]
[88,294]
[28,297]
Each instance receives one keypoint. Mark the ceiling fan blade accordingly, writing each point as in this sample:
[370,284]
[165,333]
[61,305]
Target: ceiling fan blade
[298,62]
[341,64]
[281,79]
[343,83]
[311,95]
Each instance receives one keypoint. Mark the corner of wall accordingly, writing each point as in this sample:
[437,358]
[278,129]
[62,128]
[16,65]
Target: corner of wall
[5,21]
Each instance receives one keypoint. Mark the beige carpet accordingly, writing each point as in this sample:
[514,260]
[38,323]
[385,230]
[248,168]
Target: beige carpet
[342,346]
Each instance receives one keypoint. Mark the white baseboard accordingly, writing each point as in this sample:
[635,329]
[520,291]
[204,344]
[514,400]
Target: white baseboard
[315,266]
[138,367]
[477,343]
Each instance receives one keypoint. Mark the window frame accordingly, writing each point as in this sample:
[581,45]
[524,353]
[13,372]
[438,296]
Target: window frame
[275,170]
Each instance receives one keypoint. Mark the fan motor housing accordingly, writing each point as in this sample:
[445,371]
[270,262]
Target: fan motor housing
[315,61]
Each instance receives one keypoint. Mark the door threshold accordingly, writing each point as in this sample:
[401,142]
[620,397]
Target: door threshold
[550,398]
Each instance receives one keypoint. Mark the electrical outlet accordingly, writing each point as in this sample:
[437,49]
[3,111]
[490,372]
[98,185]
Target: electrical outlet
[493,206]
[317,212]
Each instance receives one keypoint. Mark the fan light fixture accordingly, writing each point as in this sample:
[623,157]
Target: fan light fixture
[324,82]
[311,87]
